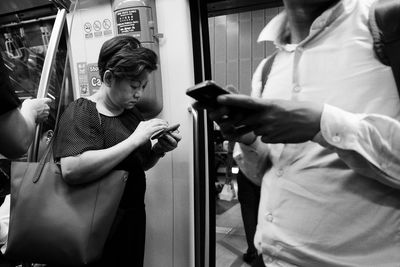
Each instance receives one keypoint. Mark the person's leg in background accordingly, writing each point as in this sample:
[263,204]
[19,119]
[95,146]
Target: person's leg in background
[249,198]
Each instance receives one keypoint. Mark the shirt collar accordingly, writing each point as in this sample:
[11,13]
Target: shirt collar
[277,30]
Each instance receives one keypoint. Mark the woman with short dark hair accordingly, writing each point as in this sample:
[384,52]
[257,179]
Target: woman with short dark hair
[106,132]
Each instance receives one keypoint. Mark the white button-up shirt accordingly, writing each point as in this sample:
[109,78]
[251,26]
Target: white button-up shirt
[333,201]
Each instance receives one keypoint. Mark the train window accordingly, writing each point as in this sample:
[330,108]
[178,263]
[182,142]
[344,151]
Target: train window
[23,47]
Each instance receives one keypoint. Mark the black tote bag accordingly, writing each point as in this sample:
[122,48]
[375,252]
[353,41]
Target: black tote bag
[54,222]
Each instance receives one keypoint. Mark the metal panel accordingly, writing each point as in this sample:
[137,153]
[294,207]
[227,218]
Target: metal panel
[258,23]
[245,53]
[270,14]
[232,50]
[235,53]
[204,246]
[211,29]
[220,50]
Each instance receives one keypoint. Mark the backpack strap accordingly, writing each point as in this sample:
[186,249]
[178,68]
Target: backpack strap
[384,25]
[266,70]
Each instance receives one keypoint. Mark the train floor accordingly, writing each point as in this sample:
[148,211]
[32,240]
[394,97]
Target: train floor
[230,236]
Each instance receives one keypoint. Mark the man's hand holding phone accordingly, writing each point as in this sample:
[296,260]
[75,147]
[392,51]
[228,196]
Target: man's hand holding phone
[276,120]
[207,94]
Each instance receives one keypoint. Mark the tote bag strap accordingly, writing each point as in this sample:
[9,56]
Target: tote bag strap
[48,154]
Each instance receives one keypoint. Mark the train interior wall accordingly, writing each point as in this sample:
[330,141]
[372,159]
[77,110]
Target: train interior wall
[235,52]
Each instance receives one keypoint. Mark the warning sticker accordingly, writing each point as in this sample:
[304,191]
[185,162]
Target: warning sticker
[97,25]
[87,27]
[89,78]
[128,20]
[106,24]
[94,78]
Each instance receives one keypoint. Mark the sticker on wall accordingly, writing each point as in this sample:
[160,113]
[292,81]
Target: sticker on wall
[87,27]
[128,20]
[88,78]
[97,26]
[94,78]
[107,27]
[82,79]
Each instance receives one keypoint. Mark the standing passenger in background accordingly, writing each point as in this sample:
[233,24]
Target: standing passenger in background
[18,124]
[249,198]
[327,120]
[17,130]
[107,132]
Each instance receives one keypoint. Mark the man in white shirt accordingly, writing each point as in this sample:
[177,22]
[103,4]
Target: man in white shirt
[328,120]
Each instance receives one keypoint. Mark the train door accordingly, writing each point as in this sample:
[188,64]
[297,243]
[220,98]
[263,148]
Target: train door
[229,54]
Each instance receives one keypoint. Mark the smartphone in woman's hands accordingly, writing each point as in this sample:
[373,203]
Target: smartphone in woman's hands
[169,129]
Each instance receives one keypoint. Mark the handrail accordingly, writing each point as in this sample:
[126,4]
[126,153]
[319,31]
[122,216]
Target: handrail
[198,168]
[203,193]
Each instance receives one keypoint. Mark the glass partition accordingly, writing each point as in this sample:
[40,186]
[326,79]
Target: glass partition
[24,45]
[235,54]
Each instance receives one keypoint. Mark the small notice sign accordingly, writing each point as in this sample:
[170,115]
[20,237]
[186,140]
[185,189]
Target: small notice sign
[128,20]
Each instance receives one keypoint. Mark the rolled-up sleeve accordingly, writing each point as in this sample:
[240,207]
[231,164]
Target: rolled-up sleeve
[367,143]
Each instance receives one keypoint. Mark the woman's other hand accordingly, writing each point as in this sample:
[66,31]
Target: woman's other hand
[167,142]
[146,129]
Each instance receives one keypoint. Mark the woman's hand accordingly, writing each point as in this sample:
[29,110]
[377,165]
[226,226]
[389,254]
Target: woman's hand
[146,129]
[166,143]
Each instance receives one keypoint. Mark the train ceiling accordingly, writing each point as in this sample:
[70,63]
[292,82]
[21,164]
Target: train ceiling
[19,10]
[11,10]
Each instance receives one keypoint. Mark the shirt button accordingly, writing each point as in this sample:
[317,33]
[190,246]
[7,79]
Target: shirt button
[269,217]
[336,139]
[279,172]
[297,89]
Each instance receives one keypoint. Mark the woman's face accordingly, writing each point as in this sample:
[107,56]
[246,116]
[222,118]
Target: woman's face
[126,93]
